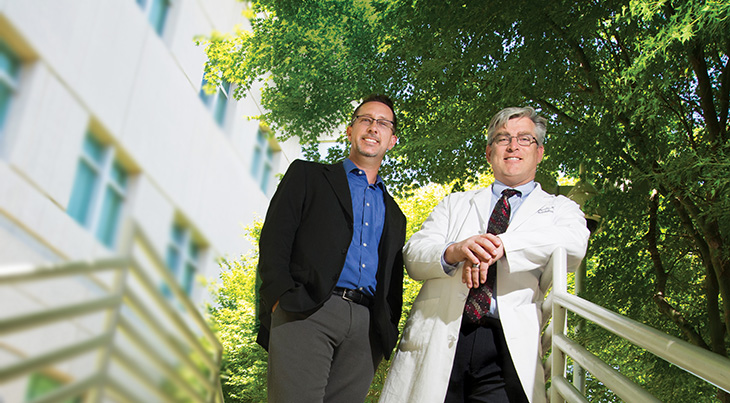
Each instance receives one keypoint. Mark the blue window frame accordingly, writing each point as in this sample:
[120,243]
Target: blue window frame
[157,12]
[99,190]
[263,161]
[182,257]
[9,72]
[217,102]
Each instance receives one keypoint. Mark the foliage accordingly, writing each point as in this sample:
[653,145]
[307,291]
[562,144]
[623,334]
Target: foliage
[636,90]
[233,318]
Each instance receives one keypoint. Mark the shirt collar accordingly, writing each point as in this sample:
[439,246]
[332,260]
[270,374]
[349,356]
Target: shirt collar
[525,189]
[351,167]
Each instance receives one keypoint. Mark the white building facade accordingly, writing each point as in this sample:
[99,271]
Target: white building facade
[105,133]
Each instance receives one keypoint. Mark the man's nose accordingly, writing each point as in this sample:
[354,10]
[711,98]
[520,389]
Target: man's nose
[513,144]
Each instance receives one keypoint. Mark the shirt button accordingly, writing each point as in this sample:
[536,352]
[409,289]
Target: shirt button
[364,244]
[366,224]
[367,204]
[363,265]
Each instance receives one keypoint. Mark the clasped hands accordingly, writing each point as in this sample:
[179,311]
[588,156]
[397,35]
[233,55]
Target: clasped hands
[478,252]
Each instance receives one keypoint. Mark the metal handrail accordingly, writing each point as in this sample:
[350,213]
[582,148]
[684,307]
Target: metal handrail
[704,364]
[181,340]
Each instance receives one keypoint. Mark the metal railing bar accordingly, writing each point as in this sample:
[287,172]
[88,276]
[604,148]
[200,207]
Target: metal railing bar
[174,287]
[118,392]
[546,280]
[128,363]
[622,386]
[25,321]
[177,290]
[30,364]
[10,274]
[175,315]
[567,390]
[547,309]
[547,338]
[218,396]
[140,309]
[704,364]
[165,367]
[132,331]
[558,265]
[548,366]
[70,391]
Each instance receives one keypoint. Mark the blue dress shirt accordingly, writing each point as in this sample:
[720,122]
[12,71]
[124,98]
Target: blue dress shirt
[368,209]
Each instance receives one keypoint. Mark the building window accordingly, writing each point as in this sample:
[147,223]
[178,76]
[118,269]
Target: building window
[217,102]
[183,256]
[99,190]
[40,384]
[263,160]
[9,71]
[156,11]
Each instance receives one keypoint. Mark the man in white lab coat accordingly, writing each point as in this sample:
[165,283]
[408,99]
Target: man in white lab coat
[442,356]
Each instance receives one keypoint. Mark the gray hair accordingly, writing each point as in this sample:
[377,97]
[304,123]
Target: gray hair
[503,116]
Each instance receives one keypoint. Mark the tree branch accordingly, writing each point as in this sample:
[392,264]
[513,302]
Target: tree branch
[676,108]
[723,96]
[661,280]
[583,60]
[696,57]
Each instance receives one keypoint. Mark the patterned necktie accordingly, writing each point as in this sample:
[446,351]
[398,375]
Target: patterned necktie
[479,299]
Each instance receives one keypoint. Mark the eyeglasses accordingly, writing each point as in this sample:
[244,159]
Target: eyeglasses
[524,140]
[367,121]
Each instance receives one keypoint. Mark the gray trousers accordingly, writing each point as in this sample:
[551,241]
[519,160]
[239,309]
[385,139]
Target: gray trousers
[327,356]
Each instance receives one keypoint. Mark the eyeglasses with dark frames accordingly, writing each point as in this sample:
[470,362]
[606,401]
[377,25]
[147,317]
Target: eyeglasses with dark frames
[368,120]
[524,140]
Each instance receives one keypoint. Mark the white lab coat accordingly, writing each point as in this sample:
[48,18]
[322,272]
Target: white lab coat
[421,368]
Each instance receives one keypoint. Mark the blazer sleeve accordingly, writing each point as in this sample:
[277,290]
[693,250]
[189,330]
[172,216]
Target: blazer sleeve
[278,232]
[529,247]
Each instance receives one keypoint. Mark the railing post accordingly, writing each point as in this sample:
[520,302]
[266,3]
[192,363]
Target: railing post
[105,355]
[558,265]
[579,374]
[118,287]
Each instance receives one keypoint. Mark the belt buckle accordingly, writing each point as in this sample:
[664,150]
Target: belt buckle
[344,295]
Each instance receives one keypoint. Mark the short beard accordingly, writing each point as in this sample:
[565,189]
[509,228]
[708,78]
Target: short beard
[365,153]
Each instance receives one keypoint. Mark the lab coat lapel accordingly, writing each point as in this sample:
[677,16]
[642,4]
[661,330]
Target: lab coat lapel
[481,203]
[529,206]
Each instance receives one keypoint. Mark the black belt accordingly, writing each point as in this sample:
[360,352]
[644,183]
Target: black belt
[355,296]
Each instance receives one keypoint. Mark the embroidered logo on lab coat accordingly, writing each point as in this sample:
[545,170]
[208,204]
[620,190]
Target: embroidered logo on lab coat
[546,209]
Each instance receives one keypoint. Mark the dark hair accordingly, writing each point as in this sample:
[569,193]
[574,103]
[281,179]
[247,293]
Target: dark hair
[383,99]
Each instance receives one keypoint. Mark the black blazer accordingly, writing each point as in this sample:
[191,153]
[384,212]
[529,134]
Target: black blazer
[304,242]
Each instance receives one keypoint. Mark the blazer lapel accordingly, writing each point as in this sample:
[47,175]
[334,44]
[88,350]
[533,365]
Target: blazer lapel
[337,178]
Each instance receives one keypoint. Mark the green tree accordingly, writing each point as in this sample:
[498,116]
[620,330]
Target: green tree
[233,318]
[636,90]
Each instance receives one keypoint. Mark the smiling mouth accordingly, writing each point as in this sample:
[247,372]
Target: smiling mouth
[513,159]
[371,140]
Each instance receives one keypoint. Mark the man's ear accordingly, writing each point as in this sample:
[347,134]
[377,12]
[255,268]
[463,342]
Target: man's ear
[393,141]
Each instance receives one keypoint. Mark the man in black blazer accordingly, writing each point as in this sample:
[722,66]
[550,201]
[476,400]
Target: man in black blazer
[331,268]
